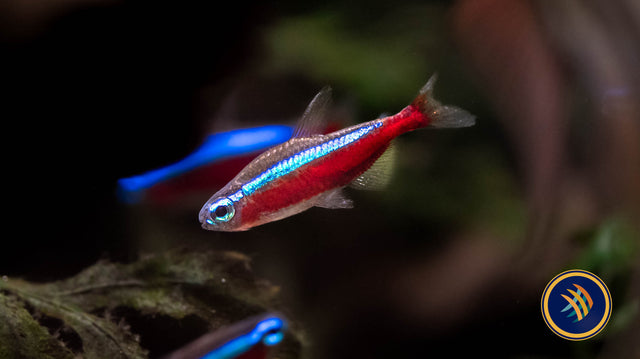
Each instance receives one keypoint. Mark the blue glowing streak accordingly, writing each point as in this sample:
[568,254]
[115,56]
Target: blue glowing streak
[216,147]
[294,162]
[268,331]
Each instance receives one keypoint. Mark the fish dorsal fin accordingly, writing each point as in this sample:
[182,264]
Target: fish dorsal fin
[314,119]
[379,174]
[334,199]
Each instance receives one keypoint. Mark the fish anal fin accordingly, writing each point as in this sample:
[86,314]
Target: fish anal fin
[379,174]
[314,119]
[334,199]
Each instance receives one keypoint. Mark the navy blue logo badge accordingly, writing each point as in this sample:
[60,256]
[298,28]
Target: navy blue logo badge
[576,305]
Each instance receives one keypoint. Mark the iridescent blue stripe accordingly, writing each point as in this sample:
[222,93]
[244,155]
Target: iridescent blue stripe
[294,162]
[236,196]
[268,331]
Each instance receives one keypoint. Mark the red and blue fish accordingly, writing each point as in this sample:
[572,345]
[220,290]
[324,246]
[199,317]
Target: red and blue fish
[205,168]
[311,169]
[246,339]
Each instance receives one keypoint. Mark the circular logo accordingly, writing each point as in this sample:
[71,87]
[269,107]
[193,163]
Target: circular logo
[576,305]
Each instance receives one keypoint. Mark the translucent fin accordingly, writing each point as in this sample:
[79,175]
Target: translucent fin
[314,119]
[334,199]
[439,115]
[379,175]
[451,117]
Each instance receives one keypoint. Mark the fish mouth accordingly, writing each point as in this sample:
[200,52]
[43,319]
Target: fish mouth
[202,217]
[206,222]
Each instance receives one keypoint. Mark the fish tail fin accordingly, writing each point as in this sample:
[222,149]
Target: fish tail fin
[438,115]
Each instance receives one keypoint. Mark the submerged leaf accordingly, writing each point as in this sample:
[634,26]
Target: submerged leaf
[113,309]
[21,336]
[611,248]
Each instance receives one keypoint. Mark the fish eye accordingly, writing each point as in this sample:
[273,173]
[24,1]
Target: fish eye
[222,210]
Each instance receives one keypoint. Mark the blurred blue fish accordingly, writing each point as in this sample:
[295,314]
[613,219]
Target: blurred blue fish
[217,147]
[247,339]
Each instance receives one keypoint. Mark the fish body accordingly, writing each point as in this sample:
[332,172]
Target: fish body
[245,339]
[312,169]
[217,148]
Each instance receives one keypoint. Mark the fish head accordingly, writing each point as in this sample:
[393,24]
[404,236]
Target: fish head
[222,212]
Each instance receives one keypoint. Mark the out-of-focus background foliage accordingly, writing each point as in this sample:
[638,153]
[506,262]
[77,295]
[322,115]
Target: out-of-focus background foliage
[452,258]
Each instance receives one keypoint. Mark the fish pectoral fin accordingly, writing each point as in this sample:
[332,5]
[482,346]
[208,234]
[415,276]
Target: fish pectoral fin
[334,199]
[379,174]
[314,119]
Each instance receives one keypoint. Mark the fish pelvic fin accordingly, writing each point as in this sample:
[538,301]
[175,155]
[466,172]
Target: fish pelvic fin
[438,115]
[333,199]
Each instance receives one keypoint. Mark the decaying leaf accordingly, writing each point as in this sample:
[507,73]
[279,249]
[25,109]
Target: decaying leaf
[137,310]
[21,336]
